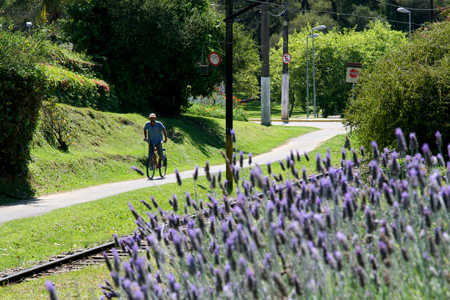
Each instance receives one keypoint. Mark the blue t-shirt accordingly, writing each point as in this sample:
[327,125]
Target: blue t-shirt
[154,132]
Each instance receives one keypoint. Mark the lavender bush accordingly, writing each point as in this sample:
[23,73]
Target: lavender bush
[342,233]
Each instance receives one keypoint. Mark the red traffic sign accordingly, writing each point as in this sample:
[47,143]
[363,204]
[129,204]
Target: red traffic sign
[214,59]
[286,58]
[354,73]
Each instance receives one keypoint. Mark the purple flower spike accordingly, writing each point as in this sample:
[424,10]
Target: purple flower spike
[401,144]
[362,151]
[306,155]
[427,154]
[177,174]
[343,240]
[137,170]
[196,172]
[249,159]
[318,163]
[410,233]
[51,290]
[375,151]
[298,156]
[241,158]
[233,135]
[438,139]
[413,144]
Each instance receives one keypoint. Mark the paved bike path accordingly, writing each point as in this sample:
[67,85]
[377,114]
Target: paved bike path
[43,204]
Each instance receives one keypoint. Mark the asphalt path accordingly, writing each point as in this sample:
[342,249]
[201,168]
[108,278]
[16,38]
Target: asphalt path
[44,204]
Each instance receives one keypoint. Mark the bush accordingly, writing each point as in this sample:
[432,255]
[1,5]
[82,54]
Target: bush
[332,52]
[71,88]
[409,88]
[22,90]
[214,107]
[341,236]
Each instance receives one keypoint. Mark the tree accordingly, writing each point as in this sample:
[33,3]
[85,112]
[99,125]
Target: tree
[408,89]
[152,48]
[332,52]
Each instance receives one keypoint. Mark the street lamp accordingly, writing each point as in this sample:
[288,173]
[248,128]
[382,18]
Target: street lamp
[405,11]
[321,27]
[307,73]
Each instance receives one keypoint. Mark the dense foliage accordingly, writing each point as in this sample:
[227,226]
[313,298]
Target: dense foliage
[409,88]
[152,49]
[342,236]
[22,90]
[332,51]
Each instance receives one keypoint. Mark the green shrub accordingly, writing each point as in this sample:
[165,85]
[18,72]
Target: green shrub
[214,107]
[409,88]
[70,88]
[22,89]
[332,51]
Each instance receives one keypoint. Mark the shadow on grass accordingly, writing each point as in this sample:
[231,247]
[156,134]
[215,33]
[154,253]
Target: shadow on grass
[14,189]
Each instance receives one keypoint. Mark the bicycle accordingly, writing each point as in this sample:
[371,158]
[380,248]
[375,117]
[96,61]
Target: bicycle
[154,163]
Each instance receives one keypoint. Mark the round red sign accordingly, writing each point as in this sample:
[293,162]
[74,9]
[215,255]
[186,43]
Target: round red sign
[354,73]
[286,58]
[214,59]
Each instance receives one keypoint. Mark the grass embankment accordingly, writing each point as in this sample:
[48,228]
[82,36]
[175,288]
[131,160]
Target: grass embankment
[101,148]
[26,241]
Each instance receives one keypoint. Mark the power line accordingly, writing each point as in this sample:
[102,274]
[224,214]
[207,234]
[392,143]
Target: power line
[408,8]
[337,13]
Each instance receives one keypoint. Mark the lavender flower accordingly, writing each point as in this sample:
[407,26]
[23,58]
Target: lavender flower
[395,166]
[438,139]
[413,144]
[298,156]
[306,155]
[427,154]
[249,159]
[195,175]
[401,143]
[375,151]
[51,290]
[347,143]
[233,135]
[318,164]
[177,175]
[410,233]
[175,202]
[137,170]
[362,151]
[343,240]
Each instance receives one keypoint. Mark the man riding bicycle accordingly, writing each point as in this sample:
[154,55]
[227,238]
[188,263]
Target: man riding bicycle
[155,130]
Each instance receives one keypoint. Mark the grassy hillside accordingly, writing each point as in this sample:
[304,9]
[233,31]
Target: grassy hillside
[80,147]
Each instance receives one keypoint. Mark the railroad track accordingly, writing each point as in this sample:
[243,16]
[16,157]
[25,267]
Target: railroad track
[92,256]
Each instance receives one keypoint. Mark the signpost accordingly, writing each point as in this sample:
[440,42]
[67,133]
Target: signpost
[214,59]
[286,58]
[353,71]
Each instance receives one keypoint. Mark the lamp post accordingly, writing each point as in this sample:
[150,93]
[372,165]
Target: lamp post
[321,27]
[405,11]
[307,73]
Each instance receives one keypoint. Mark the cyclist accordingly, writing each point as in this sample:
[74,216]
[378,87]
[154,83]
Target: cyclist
[155,130]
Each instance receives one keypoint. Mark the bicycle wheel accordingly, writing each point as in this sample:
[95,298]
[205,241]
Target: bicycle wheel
[162,169]
[150,168]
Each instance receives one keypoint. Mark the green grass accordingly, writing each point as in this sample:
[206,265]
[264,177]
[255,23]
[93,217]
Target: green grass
[27,241]
[253,109]
[103,146]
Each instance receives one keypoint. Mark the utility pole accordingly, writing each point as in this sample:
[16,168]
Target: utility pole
[229,88]
[229,81]
[431,11]
[285,73]
[265,71]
